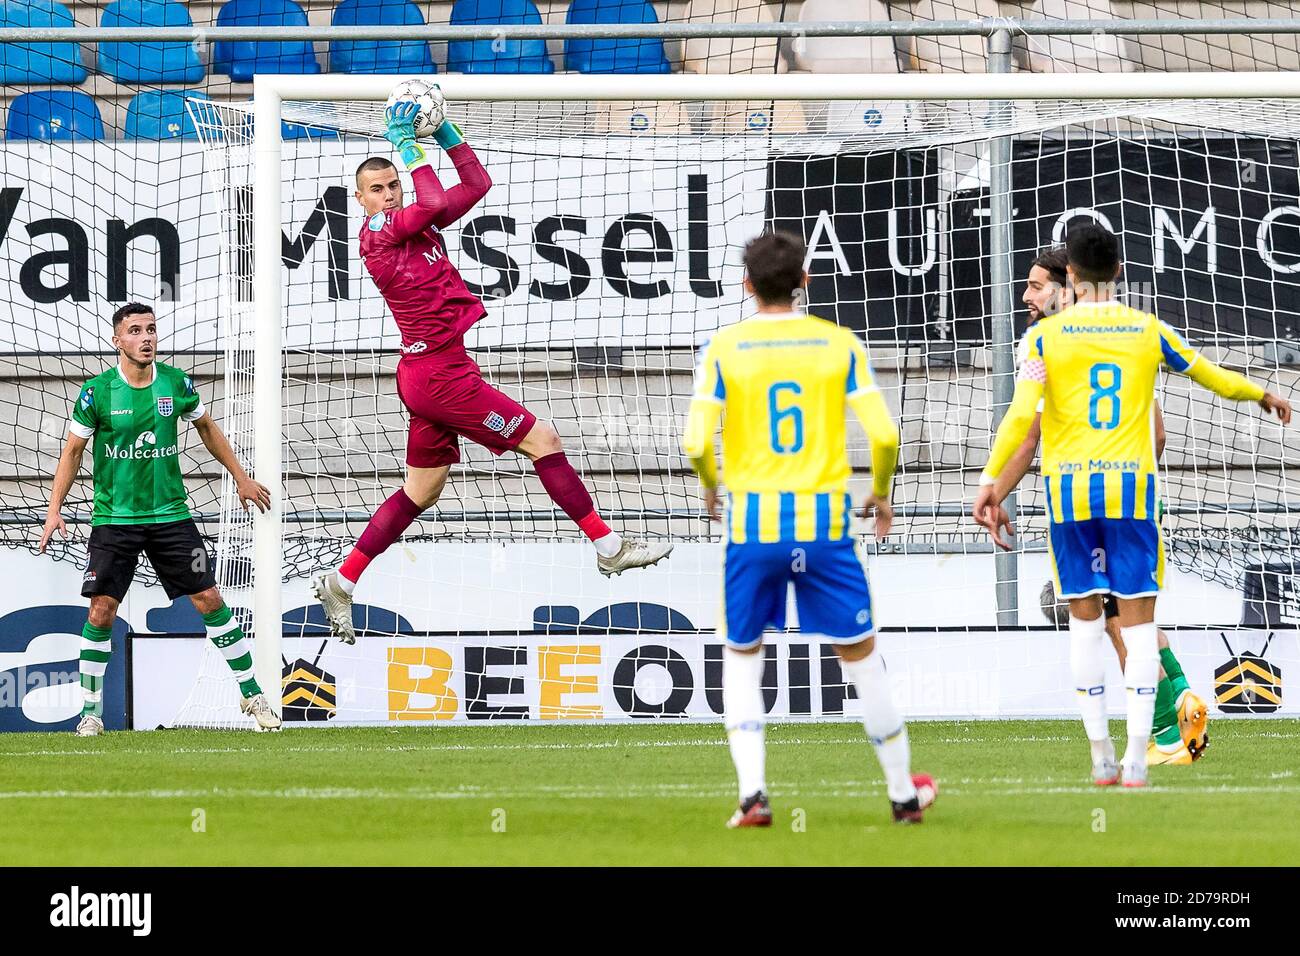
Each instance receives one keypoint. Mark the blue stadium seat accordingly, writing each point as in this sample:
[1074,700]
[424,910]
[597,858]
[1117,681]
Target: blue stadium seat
[479,56]
[38,62]
[614,56]
[149,62]
[54,114]
[241,60]
[379,56]
[161,114]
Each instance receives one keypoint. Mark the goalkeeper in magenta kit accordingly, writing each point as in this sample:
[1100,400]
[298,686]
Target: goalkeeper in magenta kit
[437,381]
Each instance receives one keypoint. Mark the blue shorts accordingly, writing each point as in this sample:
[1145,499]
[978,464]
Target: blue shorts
[830,587]
[1120,556]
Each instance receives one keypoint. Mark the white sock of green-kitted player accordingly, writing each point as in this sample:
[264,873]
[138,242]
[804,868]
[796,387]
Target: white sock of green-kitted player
[96,647]
[224,631]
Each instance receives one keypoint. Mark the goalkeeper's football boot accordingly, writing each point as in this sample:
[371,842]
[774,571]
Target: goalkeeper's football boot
[260,708]
[1105,773]
[913,810]
[337,604]
[1193,723]
[754,812]
[633,554]
[90,726]
[1159,755]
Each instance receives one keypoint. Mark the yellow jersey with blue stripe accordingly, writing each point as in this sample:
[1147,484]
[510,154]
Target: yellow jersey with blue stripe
[785,382]
[1094,367]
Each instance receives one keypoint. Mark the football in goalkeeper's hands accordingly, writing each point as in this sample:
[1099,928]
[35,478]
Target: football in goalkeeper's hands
[433,105]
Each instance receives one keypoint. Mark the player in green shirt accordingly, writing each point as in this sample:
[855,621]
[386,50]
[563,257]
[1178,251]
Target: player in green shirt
[133,412]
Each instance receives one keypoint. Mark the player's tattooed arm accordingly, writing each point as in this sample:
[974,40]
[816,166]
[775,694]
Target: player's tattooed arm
[64,475]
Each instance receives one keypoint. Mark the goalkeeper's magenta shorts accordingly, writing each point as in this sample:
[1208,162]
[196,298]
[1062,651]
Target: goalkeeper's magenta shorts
[447,397]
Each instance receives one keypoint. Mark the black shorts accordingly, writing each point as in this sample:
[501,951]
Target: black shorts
[175,549]
[1109,606]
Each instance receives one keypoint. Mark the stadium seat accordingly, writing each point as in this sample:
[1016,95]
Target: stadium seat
[739,55]
[161,114]
[614,56]
[379,56]
[38,62]
[241,60]
[54,114]
[843,54]
[846,55]
[149,62]
[1095,53]
[481,56]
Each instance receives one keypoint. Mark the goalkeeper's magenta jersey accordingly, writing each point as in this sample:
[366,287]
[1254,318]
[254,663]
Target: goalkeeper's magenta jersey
[406,256]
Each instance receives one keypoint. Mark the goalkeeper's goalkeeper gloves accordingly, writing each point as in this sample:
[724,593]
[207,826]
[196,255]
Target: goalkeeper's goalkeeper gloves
[400,122]
[448,135]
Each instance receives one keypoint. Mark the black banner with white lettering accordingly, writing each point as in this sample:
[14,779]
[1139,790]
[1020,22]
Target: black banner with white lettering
[147,905]
[871,225]
[1210,228]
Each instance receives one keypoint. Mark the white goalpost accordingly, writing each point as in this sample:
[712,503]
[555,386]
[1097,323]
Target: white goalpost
[923,197]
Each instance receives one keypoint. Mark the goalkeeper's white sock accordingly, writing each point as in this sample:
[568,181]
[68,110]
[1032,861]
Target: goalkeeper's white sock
[607,545]
[1141,674]
[1088,666]
[884,724]
[346,583]
[743,711]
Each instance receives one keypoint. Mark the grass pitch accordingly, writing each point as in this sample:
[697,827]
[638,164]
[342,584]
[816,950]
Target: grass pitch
[1014,792]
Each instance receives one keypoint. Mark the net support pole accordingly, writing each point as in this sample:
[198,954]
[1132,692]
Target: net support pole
[1006,563]
[268,552]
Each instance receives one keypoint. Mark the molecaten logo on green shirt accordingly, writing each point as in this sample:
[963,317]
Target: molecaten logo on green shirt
[144,448]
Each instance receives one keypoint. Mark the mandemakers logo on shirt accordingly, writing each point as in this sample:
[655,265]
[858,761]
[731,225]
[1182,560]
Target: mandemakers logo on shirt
[145,447]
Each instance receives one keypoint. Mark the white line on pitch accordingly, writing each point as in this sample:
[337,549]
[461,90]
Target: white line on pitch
[684,791]
[476,748]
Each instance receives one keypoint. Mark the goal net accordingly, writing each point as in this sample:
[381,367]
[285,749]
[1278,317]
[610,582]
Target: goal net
[606,252]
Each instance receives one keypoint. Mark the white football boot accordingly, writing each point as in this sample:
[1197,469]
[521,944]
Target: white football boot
[337,604]
[1135,773]
[1105,773]
[90,726]
[260,708]
[633,554]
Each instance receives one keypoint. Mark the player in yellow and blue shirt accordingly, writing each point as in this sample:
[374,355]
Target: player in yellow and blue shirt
[784,381]
[1094,366]
[1181,723]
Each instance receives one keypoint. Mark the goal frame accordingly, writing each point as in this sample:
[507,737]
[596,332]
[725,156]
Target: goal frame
[272,90]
